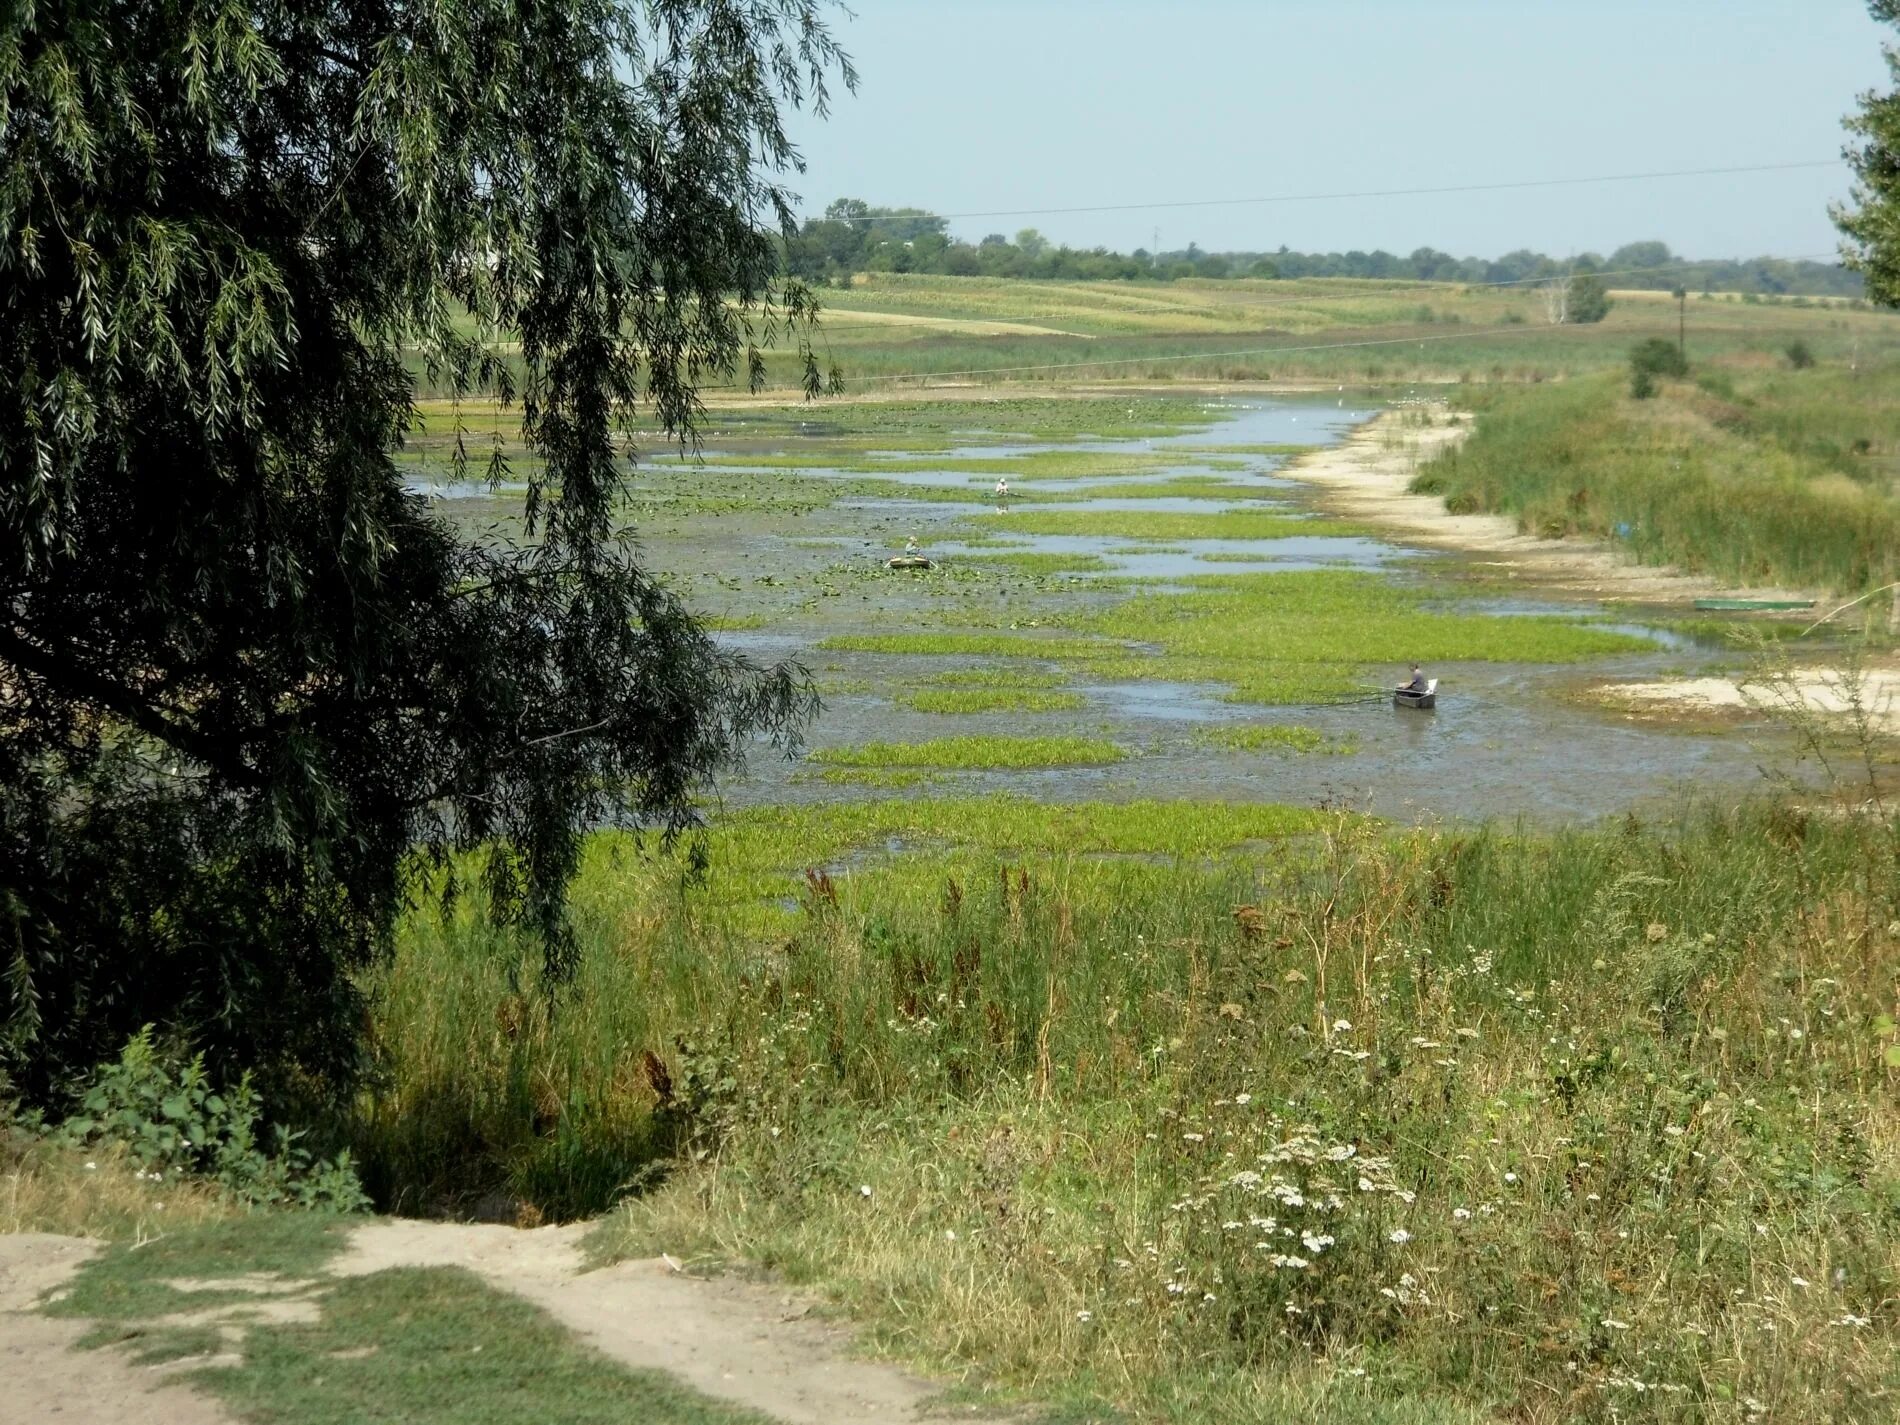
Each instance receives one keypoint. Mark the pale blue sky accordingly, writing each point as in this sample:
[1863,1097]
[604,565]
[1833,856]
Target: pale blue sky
[976,105]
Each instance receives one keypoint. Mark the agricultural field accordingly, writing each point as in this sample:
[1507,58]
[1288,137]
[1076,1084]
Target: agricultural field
[887,326]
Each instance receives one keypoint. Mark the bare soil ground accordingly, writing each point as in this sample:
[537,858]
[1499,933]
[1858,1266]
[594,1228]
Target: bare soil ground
[740,1341]
[44,1375]
[745,1342]
[1365,478]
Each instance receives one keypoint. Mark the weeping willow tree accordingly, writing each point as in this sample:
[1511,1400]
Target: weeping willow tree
[248,683]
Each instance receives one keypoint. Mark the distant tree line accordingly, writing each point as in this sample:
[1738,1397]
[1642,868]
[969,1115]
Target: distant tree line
[854,237]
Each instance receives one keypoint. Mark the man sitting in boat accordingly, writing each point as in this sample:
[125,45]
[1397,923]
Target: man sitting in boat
[910,547]
[1418,683]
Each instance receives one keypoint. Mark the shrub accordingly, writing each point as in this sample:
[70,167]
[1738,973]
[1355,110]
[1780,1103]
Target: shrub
[1650,359]
[1800,355]
[172,1118]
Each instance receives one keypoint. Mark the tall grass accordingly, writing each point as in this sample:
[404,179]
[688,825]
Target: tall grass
[1353,1126]
[1748,493]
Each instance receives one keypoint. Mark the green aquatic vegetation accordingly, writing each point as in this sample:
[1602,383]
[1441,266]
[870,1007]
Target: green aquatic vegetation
[982,700]
[1272,737]
[1003,676]
[977,753]
[883,779]
[1185,487]
[952,643]
[1140,524]
[1041,563]
[1299,635]
[994,541]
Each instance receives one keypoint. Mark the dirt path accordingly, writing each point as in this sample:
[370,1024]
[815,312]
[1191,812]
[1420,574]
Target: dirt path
[738,1341]
[750,1344]
[45,1376]
[1365,478]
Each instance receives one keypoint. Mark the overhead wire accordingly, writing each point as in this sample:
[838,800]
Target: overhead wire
[1433,191]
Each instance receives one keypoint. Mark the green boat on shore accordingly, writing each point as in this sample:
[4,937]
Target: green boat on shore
[1732,605]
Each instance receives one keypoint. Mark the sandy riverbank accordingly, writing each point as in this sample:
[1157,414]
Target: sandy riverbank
[1366,478]
[1822,691]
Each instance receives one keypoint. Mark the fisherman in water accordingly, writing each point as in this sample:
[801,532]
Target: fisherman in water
[1002,494]
[1418,683]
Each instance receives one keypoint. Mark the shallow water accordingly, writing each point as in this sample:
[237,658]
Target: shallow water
[1507,741]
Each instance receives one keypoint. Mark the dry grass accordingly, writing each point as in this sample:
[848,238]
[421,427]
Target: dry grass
[97,1192]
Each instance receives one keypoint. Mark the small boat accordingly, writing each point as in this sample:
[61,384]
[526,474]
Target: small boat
[1425,701]
[1733,605]
[907,561]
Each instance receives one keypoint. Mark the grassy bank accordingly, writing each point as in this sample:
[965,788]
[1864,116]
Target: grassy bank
[1208,1112]
[1751,475]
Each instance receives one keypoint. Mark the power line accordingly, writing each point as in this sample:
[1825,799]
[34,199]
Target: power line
[1361,193]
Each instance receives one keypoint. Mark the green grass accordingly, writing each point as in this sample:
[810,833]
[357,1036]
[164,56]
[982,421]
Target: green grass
[973,753]
[982,700]
[427,1345]
[1751,479]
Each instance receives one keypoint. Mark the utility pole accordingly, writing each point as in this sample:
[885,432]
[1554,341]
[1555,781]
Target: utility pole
[1682,324]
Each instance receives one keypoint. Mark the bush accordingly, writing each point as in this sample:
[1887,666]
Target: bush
[1800,355]
[172,1118]
[1650,359]
[1588,299]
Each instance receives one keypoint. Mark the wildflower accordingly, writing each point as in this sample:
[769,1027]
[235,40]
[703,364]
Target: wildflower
[1510,1177]
[1207,1296]
[1194,1137]
[949,1236]
[1085,1316]
[1399,1235]
[1673,1131]
[864,1189]
[1340,1026]
[1465,1033]
[1798,1281]
[1241,1100]
[1852,1320]
[92,1167]
[1615,1325]
[1461,1214]
[1656,931]
[1316,1242]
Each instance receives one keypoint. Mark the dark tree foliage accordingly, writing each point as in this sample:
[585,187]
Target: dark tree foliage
[249,686]
[1872,223]
[1589,299]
